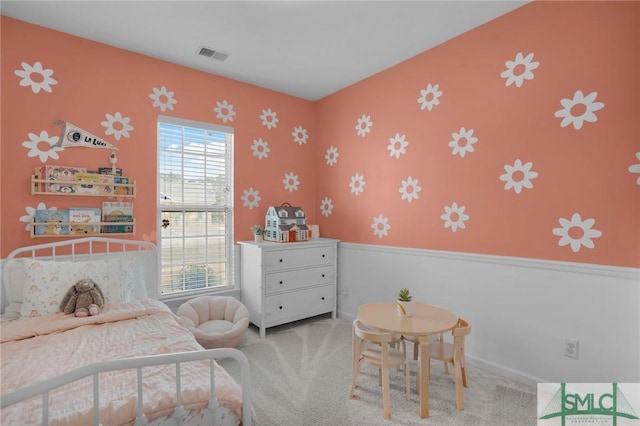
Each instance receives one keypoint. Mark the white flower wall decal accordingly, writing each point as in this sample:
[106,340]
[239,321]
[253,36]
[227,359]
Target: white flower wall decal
[410,189]
[635,168]
[380,226]
[397,145]
[454,217]
[163,99]
[250,198]
[462,142]
[260,148]
[326,207]
[117,125]
[357,184]
[518,176]
[429,97]
[576,232]
[332,155]
[224,111]
[36,143]
[519,69]
[31,214]
[269,118]
[364,125]
[579,109]
[291,182]
[36,77]
[300,135]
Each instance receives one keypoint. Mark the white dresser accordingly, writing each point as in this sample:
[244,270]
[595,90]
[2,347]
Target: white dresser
[285,282]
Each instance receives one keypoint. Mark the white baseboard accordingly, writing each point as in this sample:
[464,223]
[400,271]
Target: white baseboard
[501,370]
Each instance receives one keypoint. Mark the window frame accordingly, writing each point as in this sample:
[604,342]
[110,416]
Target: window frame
[230,283]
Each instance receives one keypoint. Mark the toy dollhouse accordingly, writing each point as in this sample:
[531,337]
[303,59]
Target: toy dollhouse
[286,224]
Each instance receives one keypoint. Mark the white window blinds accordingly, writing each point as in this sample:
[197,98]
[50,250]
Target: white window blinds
[195,204]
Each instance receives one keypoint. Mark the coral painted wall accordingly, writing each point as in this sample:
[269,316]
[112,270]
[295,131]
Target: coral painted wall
[518,138]
[111,93]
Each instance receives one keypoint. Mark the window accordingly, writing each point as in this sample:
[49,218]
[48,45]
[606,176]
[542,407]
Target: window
[195,206]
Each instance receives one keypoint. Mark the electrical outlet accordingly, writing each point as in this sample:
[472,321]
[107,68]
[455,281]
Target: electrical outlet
[571,347]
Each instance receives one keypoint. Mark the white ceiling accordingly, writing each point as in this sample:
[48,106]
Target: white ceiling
[307,49]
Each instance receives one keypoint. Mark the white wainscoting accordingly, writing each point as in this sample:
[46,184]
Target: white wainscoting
[520,309]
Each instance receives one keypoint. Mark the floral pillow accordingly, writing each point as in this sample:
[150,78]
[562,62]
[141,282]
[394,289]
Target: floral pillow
[46,282]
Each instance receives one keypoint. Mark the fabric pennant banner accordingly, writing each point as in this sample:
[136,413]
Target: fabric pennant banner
[74,136]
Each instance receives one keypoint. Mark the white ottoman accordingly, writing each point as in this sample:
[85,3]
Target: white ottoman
[215,321]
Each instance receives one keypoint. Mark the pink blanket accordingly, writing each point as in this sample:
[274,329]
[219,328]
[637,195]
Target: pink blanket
[39,348]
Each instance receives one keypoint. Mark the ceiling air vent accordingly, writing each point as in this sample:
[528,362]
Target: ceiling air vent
[211,53]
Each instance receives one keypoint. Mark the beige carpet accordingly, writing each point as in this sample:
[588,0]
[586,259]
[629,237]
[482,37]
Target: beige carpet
[301,375]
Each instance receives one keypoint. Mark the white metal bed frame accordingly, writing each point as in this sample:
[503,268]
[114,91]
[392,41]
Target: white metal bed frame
[112,245]
[83,249]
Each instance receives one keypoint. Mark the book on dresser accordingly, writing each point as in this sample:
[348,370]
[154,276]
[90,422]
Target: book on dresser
[113,211]
[60,175]
[82,218]
[51,222]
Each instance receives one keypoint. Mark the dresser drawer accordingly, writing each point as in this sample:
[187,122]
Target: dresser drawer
[276,260]
[299,304]
[298,278]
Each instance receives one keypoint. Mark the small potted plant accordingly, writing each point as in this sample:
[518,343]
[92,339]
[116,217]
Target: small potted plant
[405,304]
[258,232]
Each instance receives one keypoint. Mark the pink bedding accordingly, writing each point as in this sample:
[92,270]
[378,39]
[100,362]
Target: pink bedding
[38,348]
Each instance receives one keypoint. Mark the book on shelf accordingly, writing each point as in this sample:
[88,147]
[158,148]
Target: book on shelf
[122,190]
[62,174]
[109,171]
[106,186]
[127,227]
[86,183]
[113,211]
[82,218]
[40,174]
[51,222]
[93,183]
[117,208]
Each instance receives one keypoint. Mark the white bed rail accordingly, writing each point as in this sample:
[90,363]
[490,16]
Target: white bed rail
[138,363]
[111,245]
[91,247]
